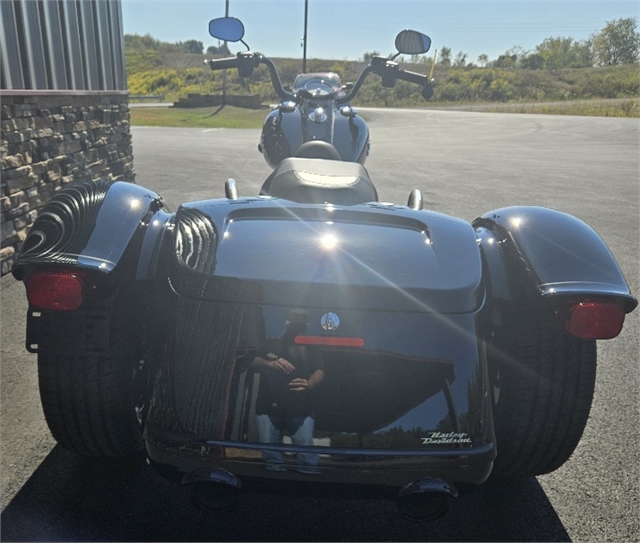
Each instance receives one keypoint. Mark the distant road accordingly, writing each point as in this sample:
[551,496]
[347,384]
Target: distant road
[150,104]
[525,107]
[501,107]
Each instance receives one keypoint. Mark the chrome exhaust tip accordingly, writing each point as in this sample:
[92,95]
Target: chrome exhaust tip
[213,489]
[426,500]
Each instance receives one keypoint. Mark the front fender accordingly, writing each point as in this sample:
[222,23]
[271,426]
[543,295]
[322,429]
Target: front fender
[550,251]
[89,226]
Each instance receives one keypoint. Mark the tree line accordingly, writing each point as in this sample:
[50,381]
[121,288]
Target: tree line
[196,47]
[558,69]
[617,43]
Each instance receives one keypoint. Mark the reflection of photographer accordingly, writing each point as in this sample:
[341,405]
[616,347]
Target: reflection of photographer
[289,373]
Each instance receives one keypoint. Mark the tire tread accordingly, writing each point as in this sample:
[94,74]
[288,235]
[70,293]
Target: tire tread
[87,398]
[547,383]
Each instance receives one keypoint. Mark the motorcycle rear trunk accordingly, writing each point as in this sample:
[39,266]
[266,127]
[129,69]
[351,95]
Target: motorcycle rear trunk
[392,302]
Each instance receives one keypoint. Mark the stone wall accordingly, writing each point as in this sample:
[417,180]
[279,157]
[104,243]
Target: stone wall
[250,101]
[54,140]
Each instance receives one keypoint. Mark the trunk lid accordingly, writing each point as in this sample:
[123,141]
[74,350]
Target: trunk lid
[372,256]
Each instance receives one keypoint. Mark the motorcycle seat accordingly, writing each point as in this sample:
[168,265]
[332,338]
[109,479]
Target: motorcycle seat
[320,181]
[318,149]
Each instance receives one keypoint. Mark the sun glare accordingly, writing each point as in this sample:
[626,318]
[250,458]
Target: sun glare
[329,241]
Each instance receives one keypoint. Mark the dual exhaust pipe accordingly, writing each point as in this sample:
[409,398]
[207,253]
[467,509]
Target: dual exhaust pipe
[213,489]
[425,500]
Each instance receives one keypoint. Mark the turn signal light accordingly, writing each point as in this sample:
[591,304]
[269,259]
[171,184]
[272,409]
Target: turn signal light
[59,290]
[330,341]
[595,320]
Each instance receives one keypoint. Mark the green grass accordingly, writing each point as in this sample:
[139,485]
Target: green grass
[228,117]
[235,117]
[590,108]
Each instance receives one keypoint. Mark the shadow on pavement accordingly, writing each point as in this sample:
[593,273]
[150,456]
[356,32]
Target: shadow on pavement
[69,499]
[216,111]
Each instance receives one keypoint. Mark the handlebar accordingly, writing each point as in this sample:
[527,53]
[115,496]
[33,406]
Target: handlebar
[356,87]
[413,77]
[384,67]
[418,79]
[389,71]
[222,63]
[275,80]
[246,62]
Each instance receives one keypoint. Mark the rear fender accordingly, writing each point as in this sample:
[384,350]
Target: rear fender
[535,249]
[107,234]
[98,227]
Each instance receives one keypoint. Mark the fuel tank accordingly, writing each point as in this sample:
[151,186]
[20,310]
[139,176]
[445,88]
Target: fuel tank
[290,125]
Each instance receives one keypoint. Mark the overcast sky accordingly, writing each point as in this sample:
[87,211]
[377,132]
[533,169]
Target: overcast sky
[346,29]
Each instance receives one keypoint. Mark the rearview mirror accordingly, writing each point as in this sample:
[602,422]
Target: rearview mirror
[226,29]
[411,42]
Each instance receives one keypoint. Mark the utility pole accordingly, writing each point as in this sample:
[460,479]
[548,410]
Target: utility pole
[304,38]
[224,72]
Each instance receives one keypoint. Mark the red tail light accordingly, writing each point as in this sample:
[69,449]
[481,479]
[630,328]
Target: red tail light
[595,320]
[330,341]
[60,290]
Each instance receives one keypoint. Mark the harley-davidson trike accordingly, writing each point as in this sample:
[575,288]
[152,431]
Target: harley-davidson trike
[312,338]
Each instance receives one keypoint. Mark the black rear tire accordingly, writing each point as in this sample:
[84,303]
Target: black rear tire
[89,398]
[543,381]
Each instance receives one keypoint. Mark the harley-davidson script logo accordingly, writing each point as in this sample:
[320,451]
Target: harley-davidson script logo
[437,438]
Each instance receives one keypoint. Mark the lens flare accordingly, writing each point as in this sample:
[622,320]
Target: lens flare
[329,241]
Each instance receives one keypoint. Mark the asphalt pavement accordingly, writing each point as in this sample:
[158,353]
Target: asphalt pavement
[465,163]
